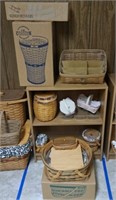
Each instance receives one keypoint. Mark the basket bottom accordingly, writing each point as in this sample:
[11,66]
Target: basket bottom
[36,75]
[14,164]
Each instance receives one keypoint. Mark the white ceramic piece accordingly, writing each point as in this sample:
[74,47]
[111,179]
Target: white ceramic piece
[67,106]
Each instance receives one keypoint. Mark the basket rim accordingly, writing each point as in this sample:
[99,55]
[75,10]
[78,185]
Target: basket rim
[81,76]
[34,46]
[82,51]
[13,102]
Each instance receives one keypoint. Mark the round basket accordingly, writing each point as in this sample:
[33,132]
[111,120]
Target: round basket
[35,51]
[67,175]
[92,137]
[45,106]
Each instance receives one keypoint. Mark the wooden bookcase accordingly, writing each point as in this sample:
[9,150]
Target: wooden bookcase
[70,126]
[110,131]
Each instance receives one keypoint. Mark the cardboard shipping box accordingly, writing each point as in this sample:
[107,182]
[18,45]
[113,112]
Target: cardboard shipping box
[81,190]
[34,53]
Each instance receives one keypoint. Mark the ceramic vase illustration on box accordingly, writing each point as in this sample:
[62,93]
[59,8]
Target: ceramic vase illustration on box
[35,52]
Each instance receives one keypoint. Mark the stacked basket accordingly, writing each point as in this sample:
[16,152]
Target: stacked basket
[13,103]
[13,151]
[16,156]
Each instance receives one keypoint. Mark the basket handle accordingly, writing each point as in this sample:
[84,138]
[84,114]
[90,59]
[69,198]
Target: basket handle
[2,113]
[89,99]
[63,143]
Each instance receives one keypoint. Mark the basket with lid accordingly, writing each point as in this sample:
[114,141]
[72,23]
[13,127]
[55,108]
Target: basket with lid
[82,66]
[45,106]
[13,102]
[92,137]
[9,130]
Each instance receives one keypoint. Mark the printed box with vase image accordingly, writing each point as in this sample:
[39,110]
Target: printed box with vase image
[34,53]
[81,190]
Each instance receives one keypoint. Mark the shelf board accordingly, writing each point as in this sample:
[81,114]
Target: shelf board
[61,120]
[63,86]
[114,122]
[112,154]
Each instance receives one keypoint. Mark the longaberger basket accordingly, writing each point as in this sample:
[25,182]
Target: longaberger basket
[13,102]
[9,130]
[16,157]
[67,175]
[45,106]
[83,55]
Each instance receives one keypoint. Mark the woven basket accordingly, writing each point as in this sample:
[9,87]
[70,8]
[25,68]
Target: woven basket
[84,55]
[9,130]
[35,51]
[16,163]
[45,106]
[13,103]
[92,137]
[67,175]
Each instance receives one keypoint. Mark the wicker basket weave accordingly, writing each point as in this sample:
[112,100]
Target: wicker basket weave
[83,54]
[35,51]
[13,103]
[45,106]
[9,130]
[67,175]
[16,163]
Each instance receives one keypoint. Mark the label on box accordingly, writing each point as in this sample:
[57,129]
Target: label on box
[62,191]
[37,11]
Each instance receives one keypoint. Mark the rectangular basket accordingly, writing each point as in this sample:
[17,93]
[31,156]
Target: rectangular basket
[17,163]
[9,130]
[13,103]
[83,55]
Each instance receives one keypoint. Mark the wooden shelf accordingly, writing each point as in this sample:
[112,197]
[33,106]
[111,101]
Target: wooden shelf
[81,120]
[61,120]
[110,124]
[114,122]
[63,86]
[112,155]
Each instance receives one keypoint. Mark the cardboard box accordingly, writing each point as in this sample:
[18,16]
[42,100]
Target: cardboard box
[34,53]
[81,190]
[41,11]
